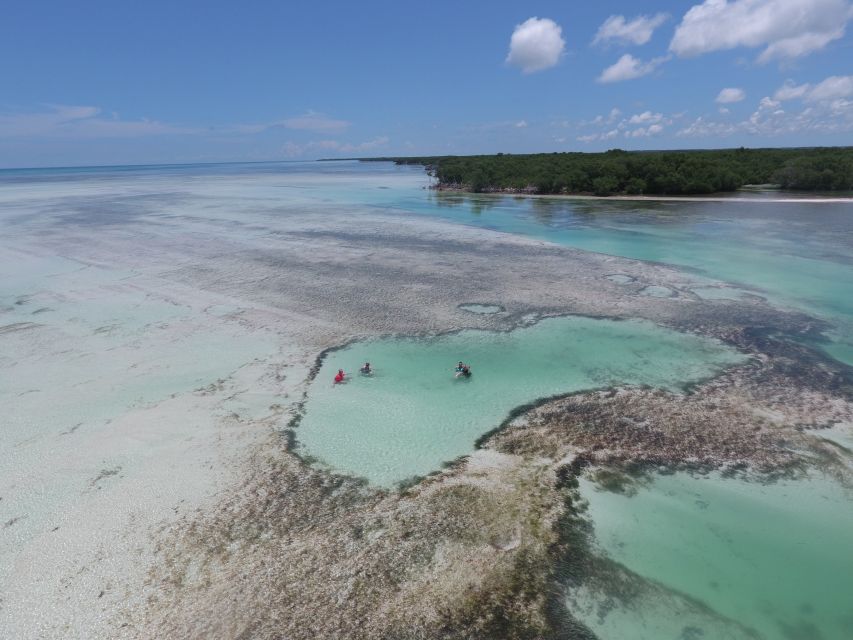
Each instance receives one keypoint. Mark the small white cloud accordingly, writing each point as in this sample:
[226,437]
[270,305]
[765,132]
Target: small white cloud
[790,91]
[786,29]
[610,118]
[730,95]
[826,91]
[628,67]
[536,44]
[368,145]
[826,114]
[293,150]
[645,117]
[588,138]
[801,45]
[645,132]
[62,121]
[832,88]
[702,128]
[723,111]
[521,124]
[768,103]
[637,31]
[67,113]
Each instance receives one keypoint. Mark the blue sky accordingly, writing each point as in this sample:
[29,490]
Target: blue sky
[132,82]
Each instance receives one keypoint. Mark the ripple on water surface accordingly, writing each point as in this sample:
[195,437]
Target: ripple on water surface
[412,414]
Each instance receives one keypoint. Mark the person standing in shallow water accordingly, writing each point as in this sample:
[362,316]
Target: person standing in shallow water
[462,370]
[339,377]
[366,370]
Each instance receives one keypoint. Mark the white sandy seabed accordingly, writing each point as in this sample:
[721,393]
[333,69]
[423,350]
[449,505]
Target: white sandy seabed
[126,400]
[131,394]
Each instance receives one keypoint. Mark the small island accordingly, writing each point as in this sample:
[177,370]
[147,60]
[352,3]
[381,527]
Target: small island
[618,172]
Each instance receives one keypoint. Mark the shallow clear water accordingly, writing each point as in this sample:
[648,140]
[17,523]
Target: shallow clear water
[412,414]
[798,254]
[720,293]
[774,558]
[117,316]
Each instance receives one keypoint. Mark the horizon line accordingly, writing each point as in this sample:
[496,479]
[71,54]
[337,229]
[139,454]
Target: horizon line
[393,157]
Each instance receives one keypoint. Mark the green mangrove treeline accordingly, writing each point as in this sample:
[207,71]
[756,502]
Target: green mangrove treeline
[644,172]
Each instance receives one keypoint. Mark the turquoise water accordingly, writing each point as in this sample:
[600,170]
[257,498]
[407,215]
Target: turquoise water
[797,254]
[412,414]
[773,558]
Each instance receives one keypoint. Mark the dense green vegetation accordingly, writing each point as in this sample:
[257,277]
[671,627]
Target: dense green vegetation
[644,172]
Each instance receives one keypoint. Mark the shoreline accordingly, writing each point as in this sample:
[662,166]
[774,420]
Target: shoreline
[644,198]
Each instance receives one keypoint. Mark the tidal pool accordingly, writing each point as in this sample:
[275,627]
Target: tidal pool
[412,414]
[728,558]
[481,309]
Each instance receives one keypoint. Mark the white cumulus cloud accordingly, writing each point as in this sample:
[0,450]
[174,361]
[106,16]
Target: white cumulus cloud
[785,28]
[790,91]
[768,103]
[628,67]
[828,90]
[832,88]
[645,117]
[730,95]
[645,132]
[637,31]
[608,119]
[702,128]
[825,110]
[536,44]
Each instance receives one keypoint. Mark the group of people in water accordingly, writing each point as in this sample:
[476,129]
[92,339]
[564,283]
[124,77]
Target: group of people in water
[366,370]
[462,370]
